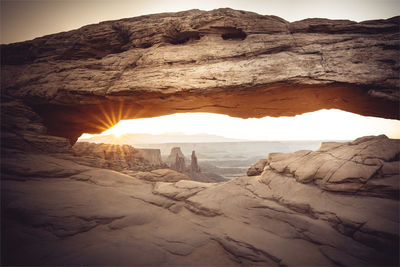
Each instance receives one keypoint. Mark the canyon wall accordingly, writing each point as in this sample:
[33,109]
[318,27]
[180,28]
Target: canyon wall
[153,156]
[118,157]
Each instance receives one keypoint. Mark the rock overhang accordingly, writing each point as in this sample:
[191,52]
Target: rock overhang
[222,61]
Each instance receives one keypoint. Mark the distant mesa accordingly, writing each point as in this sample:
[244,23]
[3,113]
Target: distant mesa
[141,163]
[145,164]
[118,157]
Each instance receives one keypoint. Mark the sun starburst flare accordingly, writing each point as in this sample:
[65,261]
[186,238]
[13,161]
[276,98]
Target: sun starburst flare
[319,125]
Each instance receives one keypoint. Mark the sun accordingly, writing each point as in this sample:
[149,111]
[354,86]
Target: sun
[116,130]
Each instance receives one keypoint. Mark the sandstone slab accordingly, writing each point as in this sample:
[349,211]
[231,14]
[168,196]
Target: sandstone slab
[93,216]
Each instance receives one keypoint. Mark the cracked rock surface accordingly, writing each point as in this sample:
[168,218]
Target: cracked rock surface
[368,165]
[225,61]
[64,213]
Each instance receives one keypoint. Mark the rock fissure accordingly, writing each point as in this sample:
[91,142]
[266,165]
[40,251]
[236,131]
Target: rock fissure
[198,209]
[254,250]
[163,205]
[332,219]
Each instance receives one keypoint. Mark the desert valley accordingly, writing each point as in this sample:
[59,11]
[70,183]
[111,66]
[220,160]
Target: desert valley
[218,157]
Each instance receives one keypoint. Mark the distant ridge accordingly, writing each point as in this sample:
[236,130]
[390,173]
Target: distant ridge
[132,139]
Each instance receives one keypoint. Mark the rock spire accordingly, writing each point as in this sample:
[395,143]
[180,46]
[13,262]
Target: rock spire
[194,166]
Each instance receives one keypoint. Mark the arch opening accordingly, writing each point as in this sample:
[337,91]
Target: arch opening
[224,147]
[323,124]
[96,114]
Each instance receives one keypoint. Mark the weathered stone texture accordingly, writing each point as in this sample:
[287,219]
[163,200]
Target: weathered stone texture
[224,61]
[65,213]
[367,166]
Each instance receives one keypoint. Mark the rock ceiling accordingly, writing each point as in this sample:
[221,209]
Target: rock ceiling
[223,61]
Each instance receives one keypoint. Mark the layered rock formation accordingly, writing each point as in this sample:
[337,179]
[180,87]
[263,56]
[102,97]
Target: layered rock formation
[366,166]
[117,157]
[179,164]
[140,163]
[224,61]
[151,155]
[176,160]
[273,219]
[23,129]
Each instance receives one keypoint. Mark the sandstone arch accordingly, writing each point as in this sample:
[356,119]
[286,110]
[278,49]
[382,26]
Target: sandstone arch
[223,61]
[337,205]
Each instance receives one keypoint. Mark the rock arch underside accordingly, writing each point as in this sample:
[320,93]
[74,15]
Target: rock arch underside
[112,205]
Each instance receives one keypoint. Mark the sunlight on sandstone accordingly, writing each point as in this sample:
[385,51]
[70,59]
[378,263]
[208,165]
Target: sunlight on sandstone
[319,125]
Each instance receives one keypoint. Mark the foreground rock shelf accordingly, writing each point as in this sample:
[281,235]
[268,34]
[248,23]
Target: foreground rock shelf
[58,212]
[224,61]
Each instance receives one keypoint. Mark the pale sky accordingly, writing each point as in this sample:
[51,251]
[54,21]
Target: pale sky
[319,125]
[26,19]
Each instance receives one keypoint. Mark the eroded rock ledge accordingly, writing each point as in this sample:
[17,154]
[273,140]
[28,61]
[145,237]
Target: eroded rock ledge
[223,61]
[366,166]
[64,213]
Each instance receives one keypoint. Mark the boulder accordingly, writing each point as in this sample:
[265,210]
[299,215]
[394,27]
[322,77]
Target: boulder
[257,168]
